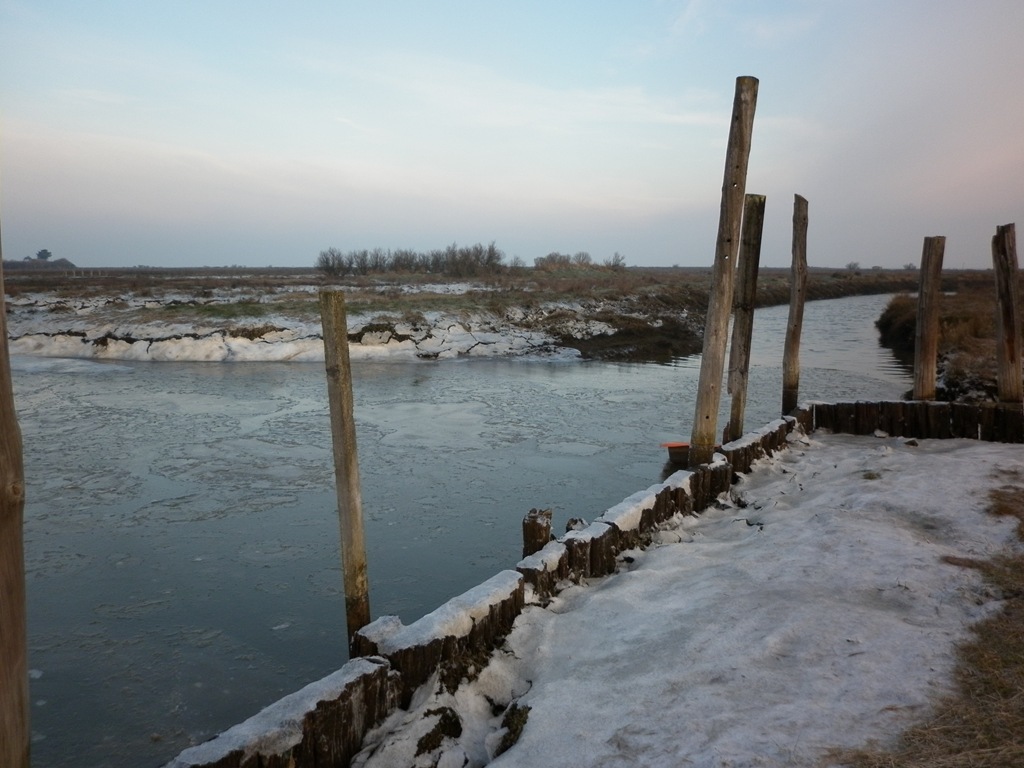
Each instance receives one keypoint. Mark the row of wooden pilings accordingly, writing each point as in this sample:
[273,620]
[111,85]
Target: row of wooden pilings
[734,291]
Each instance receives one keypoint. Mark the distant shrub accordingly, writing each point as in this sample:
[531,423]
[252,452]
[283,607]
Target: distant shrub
[553,261]
[616,261]
[453,261]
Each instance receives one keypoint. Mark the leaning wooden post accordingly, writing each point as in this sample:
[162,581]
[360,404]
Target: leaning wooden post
[346,461]
[797,295]
[1004,258]
[716,324]
[743,313]
[926,332]
[14,728]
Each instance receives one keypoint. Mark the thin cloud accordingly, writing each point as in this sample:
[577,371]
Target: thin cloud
[350,123]
[94,96]
[452,91]
[780,31]
[689,21]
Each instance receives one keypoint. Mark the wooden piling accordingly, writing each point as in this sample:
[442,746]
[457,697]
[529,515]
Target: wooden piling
[797,295]
[926,332]
[536,530]
[743,312]
[14,712]
[346,460]
[716,324]
[1008,339]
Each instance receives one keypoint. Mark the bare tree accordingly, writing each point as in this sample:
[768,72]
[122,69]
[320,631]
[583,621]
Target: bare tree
[616,261]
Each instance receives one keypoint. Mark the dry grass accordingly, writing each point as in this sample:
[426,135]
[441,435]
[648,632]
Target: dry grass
[966,319]
[671,287]
[981,723]
[967,338]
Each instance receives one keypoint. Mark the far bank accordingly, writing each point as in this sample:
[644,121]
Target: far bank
[636,314]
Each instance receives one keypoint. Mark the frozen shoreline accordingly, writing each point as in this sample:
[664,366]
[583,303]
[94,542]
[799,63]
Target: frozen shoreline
[763,633]
[96,328]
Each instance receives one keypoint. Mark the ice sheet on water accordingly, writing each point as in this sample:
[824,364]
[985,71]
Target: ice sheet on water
[30,364]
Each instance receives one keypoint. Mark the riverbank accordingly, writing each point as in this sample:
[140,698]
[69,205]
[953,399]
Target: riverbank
[636,314]
[967,368]
[732,640]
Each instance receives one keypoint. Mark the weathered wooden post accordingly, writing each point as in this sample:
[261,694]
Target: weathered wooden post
[716,324]
[797,295]
[14,728]
[743,312]
[346,461]
[1004,258]
[926,332]
[536,530]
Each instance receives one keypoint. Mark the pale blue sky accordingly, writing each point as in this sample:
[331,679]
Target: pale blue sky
[259,133]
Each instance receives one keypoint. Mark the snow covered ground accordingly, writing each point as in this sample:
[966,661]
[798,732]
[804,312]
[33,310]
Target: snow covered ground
[810,611]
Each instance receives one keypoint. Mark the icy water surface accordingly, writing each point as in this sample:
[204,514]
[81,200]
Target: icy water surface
[181,532]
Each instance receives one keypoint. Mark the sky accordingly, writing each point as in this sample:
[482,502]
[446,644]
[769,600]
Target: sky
[260,133]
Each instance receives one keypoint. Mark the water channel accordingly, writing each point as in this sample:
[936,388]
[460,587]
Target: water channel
[181,534]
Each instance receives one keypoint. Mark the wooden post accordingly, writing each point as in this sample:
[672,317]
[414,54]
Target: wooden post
[926,332]
[797,294]
[536,530]
[1004,258]
[346,461]
[14,729]
[716,324]
[743,314]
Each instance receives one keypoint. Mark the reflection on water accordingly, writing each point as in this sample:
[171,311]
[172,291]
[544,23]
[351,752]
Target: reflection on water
[181,533]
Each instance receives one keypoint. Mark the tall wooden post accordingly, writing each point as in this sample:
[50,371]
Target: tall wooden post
[14,729]
[346,461]
[1004,258]
[926,332]
[797,295]
[716,325]
[743,312]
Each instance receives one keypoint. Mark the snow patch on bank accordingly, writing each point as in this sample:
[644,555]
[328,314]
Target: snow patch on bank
[95,329]
[120,327]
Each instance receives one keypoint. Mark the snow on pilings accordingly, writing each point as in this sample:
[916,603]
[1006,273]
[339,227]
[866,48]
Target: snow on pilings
[330,721]
[449,640]
[322,724]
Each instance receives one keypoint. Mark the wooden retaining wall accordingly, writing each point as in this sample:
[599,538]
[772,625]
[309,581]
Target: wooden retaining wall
[992,422]
[324,724]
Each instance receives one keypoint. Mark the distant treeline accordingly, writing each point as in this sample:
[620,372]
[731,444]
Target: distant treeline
[453,261]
